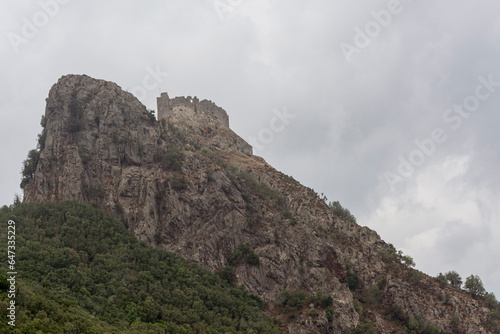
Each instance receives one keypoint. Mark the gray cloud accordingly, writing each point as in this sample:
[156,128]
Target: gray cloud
[353,120]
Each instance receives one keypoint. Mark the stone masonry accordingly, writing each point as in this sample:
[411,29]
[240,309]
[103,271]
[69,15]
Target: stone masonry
[167,105]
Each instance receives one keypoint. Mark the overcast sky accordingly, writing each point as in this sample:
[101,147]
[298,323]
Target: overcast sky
[390,107]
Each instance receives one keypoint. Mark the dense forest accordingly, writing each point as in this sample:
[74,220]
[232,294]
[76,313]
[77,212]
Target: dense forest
[80,271]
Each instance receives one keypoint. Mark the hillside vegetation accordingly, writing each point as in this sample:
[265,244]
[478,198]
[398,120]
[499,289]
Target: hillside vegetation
[80,271]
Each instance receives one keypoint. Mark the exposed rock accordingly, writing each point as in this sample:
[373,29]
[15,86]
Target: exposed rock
[190,185]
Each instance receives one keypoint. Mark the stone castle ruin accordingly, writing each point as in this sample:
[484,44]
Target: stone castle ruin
[167,105]
[188,107]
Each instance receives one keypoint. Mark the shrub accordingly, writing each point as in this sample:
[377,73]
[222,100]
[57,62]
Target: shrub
[93,194]
[253,223]
[353,280]
[75,121]
[179,134]
[228,274]
[371,295]
[243,253]
[259,188]
[415,276]
[382,282]
[253,259]
[453,278]
[491,300]
[357,307]
[322,301]
[474,285]
[43,122]
[407,260]
[390,254]
[213,157]
[455,323]
[441,279]
[4,285]
[294,299]
[119,208]
[42,137]
[178,183]
[396,312]
[329,314]
[352,277]
[419,324]
[151,115]
[365,327]
[288,215]
[493,321]
[29,167]
[342,212]
[171,159]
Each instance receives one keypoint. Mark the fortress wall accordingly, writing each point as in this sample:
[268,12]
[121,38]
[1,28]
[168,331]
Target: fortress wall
[166,105]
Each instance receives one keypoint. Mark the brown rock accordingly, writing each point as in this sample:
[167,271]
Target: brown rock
[190,185]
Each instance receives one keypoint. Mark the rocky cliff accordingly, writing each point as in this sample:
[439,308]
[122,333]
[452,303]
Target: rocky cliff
[190,185]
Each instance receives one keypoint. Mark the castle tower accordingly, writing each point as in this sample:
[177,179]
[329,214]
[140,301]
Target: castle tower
[167,105]
[164,107]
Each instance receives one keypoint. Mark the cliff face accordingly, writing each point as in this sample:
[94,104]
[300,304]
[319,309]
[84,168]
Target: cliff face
[190,185]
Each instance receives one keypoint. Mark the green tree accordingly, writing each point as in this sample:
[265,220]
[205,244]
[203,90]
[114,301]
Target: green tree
[491,300]
[352,277]
[29,167]
[407,260]
[474,285]
[441,279]
[342,212]
[84,273]
[454,279]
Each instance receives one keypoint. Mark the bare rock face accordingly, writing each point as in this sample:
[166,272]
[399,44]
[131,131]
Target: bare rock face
[190,185]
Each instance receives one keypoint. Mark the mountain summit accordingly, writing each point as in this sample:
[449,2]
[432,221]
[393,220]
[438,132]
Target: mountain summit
[188,184]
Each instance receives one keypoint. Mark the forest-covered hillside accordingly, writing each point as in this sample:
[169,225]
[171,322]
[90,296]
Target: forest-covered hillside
[80,271]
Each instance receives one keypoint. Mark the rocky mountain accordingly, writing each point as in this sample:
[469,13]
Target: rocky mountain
[188,184]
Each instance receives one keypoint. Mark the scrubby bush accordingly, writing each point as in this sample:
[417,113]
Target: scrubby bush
[371,295]
[491,300]
[170,159]
[228,274]
[151,115]
[352,277]
[178,183]
[342,212]
[391,254]
[75,120]
[243,253]
[441,279]
[293,299]
[29,167]
[365,327]
[42,136]
[329,314]
[321,300]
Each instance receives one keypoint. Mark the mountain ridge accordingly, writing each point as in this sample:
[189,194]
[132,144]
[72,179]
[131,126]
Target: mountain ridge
[188,184]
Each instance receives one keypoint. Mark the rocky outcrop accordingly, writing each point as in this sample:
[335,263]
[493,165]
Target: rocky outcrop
[190,185]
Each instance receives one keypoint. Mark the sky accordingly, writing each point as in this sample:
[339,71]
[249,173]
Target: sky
[390,107]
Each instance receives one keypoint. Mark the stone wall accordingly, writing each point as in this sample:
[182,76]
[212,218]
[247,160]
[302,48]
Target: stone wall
[166,106]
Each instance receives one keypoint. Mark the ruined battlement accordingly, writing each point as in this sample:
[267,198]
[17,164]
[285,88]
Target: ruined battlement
[166,107]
